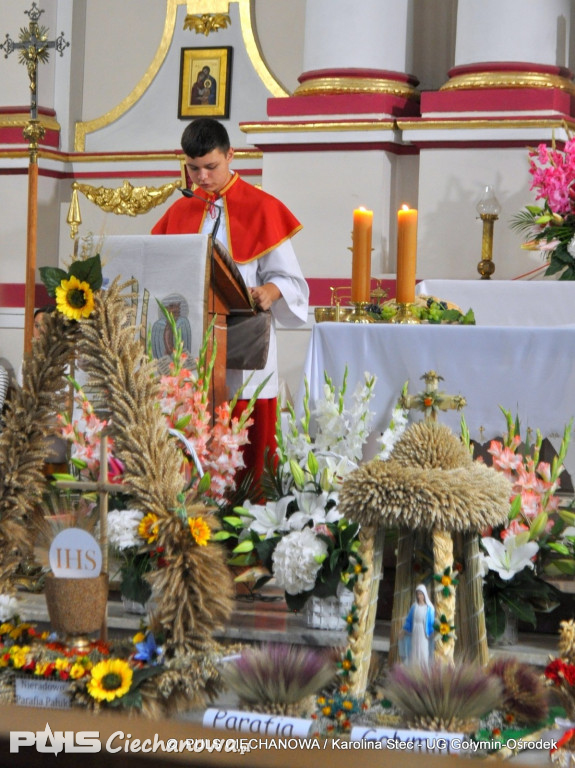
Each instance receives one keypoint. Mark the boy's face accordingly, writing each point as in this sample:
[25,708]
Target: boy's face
[210,172]
[38,323]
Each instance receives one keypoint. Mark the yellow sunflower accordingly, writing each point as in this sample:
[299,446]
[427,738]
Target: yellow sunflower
[75,299]
[149,527]
[200,530]
[111,679]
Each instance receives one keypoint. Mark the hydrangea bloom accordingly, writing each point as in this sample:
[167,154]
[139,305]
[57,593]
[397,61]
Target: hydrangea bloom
[9,607]
[123,528]
[296,560]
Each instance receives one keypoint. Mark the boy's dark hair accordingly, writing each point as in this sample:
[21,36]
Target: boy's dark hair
[203,135]
[48,309]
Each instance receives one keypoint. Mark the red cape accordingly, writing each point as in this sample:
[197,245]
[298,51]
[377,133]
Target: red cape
[256,222]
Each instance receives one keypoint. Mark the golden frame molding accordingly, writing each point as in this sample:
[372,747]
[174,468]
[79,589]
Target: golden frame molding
[327,125]
[83,128]
[478,123]
[477,80]
[21,119]
[337,85]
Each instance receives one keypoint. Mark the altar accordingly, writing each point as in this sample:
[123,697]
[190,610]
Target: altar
[519,356]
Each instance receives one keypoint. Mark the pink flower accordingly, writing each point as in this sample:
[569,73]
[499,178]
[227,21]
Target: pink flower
[504,458]
[514,527]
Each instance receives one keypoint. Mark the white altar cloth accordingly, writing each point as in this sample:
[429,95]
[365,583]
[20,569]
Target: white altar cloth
[508,302]
[528,371]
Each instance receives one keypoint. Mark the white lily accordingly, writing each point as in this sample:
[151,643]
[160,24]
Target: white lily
[333,469]
[268,519]
[311,508]
[507,557]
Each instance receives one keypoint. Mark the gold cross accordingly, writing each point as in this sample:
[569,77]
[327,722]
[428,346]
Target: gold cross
[432,399]
[34,46]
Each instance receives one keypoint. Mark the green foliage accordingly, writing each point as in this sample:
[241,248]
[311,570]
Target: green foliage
[86,270]
[523,595]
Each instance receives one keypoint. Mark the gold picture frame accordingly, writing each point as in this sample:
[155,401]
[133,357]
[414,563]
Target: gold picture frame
[205,82]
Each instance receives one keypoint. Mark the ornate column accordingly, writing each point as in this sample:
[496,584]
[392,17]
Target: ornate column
[514,53]
[358,49]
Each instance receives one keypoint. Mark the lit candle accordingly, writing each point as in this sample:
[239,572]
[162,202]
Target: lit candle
[361,262]
[406,255]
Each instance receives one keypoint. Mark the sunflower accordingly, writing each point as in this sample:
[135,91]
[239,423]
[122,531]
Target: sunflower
[75,299]
[111,679]
[148,528]
[200,530]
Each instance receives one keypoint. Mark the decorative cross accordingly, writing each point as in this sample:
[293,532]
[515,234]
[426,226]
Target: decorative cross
[33,47]
[432,399]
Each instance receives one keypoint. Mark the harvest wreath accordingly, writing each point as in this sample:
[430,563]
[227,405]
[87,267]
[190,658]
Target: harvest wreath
[195,583]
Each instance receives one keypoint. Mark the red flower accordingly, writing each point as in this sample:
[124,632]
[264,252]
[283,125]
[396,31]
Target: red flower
[554,671]
[569,673]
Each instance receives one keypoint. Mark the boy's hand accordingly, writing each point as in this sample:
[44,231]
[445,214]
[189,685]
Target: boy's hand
[265,295]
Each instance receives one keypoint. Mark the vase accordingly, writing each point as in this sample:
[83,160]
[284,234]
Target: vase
[77,607]
[510,635]
[132,606]
[329,612]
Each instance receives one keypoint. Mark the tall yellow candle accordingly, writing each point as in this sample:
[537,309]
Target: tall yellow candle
[361,251]
[406,254]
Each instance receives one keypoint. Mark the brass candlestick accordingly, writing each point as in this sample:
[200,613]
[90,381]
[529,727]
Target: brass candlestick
[404,315]
[359,313]
[488,209]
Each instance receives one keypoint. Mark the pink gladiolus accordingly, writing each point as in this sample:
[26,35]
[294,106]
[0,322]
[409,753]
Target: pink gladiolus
[504,458]
[514,527]
[544,245]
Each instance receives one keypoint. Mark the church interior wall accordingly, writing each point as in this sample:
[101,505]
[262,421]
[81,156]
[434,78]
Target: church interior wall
[451,244]
[344,180]
[152,123]
[435,20]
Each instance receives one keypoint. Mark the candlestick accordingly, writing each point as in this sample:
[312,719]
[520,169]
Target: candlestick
[406,255]
[488,209]
[361,250]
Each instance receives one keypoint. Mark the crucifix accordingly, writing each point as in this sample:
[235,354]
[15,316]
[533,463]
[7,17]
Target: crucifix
[34,49]
[432,399]
[103,488]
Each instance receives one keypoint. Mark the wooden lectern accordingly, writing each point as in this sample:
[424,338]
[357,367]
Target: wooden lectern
[228,297]
[196,282]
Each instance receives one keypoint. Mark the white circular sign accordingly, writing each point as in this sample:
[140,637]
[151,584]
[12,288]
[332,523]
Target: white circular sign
[75,554]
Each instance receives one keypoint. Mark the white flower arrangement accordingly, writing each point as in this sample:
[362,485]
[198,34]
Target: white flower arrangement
[298,535]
